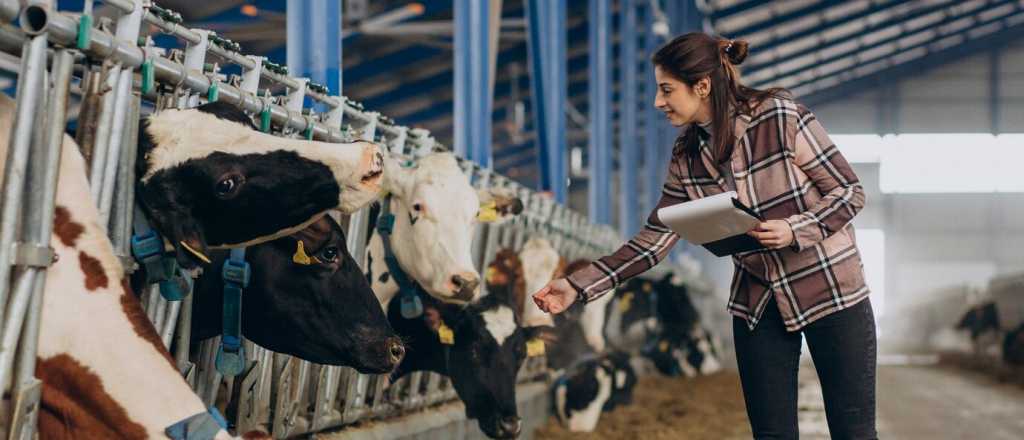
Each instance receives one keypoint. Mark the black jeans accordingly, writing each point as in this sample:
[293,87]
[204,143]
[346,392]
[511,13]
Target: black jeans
[843,347]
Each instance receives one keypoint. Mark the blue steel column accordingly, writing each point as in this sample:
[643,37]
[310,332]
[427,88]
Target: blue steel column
[472,81]
[629,199]
[652,119]
[548,72]
[314,41]
[600,188]
[684,16]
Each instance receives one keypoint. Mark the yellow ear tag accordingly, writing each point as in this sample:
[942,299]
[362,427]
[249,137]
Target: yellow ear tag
[300,256]
[488,212]
[446,335]
[489,274]
[626,302]
[663,346]
[534,347]
[198,254]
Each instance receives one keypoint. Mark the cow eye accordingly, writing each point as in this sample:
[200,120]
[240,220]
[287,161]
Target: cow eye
[418,207]
[329,254]
[228,186]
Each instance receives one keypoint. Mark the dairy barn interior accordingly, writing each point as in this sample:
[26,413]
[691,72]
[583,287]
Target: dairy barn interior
[329,219]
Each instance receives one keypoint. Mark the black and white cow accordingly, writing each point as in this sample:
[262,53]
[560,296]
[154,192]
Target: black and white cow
[435,210]
[980,319]
[590,387]
[209,179]
[689,354]
[632,315]
[482,357]
[321,310]
[683,345]
[1013,346]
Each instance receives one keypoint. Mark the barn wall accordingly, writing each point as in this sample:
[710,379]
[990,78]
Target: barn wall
[955,98]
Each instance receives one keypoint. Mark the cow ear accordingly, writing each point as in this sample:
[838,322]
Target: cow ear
[498,205]
[398,177]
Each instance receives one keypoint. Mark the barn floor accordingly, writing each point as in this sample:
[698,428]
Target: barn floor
[914,402]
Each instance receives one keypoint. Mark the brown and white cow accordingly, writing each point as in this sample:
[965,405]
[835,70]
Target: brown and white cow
[209,179]
[435,210]
[571,335]
[104,369]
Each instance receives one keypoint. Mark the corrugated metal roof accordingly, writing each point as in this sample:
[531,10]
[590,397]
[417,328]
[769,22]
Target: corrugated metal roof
[819,49]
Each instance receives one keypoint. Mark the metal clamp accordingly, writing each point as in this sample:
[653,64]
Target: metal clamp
[33,255]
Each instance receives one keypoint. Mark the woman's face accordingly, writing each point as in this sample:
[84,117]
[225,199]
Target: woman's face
[681,103]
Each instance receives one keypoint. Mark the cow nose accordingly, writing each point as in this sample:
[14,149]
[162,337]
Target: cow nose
[465,286]
[509,427]
[396,350]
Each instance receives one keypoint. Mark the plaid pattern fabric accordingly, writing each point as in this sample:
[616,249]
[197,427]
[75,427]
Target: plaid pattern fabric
[785,167]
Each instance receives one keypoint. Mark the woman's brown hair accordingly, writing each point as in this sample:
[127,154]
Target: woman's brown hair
[696,55]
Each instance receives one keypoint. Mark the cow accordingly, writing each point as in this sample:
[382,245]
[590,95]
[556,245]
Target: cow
[575,333]
[435,210]
[201,171]
[319,308]
[683,345]
[624,380]
[982,324]
[480,347]
[980,319]
[1013,346]
[541,263]
[632,315]
[104,370]
[689,354]
[592,386]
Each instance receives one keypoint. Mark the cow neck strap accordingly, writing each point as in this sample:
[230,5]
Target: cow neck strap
[231,354]
[409,300]
[204,425]
[148,249]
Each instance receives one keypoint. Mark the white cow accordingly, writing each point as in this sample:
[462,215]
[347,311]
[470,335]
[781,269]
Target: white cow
[435,210]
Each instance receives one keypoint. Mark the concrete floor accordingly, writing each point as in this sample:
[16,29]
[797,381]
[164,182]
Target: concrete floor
[927,402]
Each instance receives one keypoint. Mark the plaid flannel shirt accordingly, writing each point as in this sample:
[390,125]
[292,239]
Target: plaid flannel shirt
[785,167]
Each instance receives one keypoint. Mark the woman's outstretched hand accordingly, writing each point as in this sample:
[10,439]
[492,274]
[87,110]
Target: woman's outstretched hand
[555,297]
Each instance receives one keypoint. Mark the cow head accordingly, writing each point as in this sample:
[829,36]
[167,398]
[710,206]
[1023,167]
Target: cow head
[634,306]
[436,210]
[688,354]
[582,392]
[207,178]
[483,359]
[307,298]
[675,309]
[541,264]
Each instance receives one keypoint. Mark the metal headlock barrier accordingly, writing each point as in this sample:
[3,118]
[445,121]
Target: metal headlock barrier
[115,68]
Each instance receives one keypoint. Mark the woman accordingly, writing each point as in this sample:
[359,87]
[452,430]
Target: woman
[810,281]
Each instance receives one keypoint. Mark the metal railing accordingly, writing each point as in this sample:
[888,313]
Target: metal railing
[117,78]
